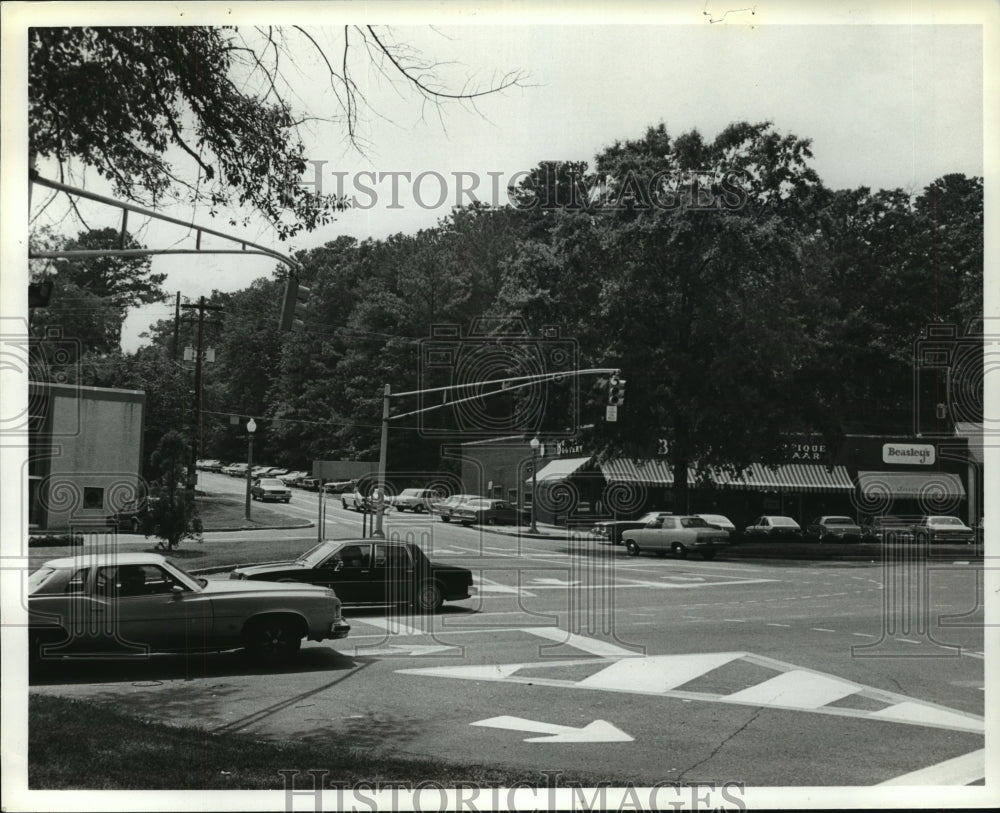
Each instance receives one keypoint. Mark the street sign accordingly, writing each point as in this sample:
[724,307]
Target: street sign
[611,413]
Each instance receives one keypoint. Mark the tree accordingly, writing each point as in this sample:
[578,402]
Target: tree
[172,515]
[91,295]
[683,270]
[203,114]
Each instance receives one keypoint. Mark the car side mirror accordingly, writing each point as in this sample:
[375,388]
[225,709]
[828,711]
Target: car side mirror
[177,590]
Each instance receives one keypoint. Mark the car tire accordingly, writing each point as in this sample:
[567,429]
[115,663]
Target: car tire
[708,554]
[288,500]
[446,519]
[678,551]
[343,505]
[428,598]
[631,548]
[272,640]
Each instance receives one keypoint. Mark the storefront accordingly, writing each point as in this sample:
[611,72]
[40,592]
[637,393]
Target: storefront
[863,476]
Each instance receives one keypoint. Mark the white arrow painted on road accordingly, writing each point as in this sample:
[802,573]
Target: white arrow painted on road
[396,650]
[597,731]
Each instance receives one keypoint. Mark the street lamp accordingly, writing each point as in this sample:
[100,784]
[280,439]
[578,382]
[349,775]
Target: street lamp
[534,482]
[251,428]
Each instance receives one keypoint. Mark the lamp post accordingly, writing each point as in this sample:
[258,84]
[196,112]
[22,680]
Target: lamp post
[251,428]
[534,482]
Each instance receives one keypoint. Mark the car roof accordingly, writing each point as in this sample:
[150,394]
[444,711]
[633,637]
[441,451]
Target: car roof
[103,559]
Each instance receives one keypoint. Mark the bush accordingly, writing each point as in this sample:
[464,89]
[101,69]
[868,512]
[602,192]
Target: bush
[55,541]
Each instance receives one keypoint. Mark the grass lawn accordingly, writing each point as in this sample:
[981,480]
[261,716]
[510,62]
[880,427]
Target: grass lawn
[218,512]
[82,745]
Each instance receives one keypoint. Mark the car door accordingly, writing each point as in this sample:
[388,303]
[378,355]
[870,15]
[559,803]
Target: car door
[393,573]
[646,535]
[665,534]
[142,608]
[348,571]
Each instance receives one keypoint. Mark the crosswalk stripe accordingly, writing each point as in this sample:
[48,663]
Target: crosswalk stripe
[806,690]
[658,673]
[963,770]
[909,711]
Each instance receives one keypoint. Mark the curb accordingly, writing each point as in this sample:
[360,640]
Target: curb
[297,526]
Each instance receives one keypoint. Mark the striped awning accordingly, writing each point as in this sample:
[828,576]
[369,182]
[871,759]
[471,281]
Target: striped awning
[797,477]
[649,471]
[910,484]
[561,469]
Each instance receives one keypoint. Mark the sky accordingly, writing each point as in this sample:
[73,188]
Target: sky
[891,96]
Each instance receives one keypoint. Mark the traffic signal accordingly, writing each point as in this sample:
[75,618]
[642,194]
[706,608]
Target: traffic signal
[293,306]
[616,391]
[39,294]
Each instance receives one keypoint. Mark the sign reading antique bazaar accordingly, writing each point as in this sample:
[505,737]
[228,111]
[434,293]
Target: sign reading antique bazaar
[908,454]
[806,451]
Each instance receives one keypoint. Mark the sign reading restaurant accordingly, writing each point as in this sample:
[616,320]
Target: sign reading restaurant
[908,454]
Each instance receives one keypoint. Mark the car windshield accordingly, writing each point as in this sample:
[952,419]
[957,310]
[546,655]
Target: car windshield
[647,517]
[717,518]
[270,481]
[945,521]
[199,580]
[782,521]
[409,492]
[39,577]
[693,522]
[838,521]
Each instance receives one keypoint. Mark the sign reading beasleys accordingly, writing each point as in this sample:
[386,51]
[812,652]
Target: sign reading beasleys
[908,454]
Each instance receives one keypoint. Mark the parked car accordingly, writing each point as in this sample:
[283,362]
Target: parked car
[292,478]
[277,471]
[445,507]
[678,535]
[488,512]
[340,486]
[887,528]
[130,516]
[309,483]
[141,602]
[270,488]
[236,470]
[357,501]
[721,522]
[833,529]
[612,530]
[208,465]
[943,529]
[416,500]
[259,471]
[371,571]
[772,528]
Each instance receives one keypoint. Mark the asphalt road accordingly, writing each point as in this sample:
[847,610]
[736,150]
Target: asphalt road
[575,657]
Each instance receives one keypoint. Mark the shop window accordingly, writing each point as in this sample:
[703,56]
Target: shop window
[497,492]
[93,497]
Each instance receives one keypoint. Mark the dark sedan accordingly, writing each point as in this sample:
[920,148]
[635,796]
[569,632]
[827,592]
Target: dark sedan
[488,512]
[366,571]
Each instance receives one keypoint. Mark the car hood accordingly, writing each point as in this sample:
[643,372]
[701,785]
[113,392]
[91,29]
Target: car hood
[240,586]
[269,567]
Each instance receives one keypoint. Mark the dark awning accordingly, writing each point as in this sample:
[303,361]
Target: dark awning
[909,484]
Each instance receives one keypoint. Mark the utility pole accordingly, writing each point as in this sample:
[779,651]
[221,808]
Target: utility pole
[177,325]
[196,423]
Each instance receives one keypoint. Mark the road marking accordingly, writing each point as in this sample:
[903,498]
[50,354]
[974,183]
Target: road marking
[591,645]
[794,688]
[555,582]
[597,731]
[821,629]
[619,582]
[963,770]
[398,650]
[778,625]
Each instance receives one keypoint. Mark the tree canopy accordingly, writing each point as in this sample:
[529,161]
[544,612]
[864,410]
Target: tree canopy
[204,114]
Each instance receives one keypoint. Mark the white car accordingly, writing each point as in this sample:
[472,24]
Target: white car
[719,521]
[774,527]
[676,535]
[136,603]
[415,499]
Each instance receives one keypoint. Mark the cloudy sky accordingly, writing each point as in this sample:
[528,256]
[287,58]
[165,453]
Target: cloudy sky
[891,96]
